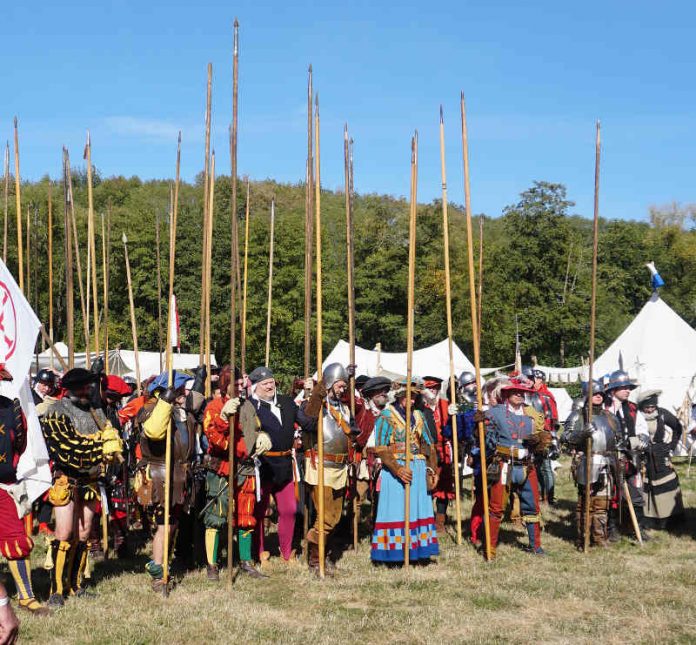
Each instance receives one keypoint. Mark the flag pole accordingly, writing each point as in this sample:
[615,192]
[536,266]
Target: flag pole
[170,370]
[476,338]
[18,203]
[409,340]
[28,256]
[69,274]
[593,311]
[320,331]
[246,268]
[450,333]
[270,284]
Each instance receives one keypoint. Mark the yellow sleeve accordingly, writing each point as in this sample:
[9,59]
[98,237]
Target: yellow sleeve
[155,426]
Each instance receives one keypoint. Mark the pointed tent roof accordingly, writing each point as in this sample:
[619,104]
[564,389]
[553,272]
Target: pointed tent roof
[658,348]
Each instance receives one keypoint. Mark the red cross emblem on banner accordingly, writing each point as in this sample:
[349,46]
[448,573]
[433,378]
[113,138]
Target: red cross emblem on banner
[8,323]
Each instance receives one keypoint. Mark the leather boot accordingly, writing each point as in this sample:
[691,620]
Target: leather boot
[440,522]
[313,562]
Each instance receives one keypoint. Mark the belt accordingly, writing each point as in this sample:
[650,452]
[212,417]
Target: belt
[282,453]
[336,459]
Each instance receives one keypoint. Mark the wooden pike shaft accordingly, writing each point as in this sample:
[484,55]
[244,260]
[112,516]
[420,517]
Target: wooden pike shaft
[234,237]
[409,339]
[69,279]
[7,198]
[49,232]
[92,244]
[593,313]
[480,273]
[28,255]
[18,206]
[206,188]
[158,260]
[450,333]
[134,327]
[105,282]
[246,275]
[269,309]
[172,250]
[208,270]
[309,223]
[474,326]
[320,332]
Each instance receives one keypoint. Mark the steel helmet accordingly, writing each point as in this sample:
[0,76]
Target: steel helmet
[597,387]
[466,378]
[618,379]
[47,377]
[333,373]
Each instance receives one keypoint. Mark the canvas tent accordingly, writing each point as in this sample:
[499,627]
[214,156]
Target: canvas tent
[428,361]
[122,361]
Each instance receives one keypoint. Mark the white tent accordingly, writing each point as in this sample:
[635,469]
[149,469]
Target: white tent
[122,361]
[429,361]
[658,348]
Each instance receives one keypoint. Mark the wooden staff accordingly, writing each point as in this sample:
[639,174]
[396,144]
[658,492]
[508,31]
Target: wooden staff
[76,242]
[28,255]
[450,342]
[159,284]
[351,309]
[91,241]
[320,331]
[593,309]
[7,198]
[409,339]
[270,285]
[49,227]
[234,237]
[206,187]
[105,283]
[476,338]
[134,328]
[309,223]
[480,272]
[208,269]
[170,370]
[69,276]
[18,205]
[246,268]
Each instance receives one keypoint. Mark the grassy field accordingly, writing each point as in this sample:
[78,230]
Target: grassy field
[618,595]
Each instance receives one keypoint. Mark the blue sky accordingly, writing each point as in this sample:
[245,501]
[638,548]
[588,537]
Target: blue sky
[536,76]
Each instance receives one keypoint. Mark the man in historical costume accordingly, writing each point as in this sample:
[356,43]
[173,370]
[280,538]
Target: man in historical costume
[543,400]
[80,442]
[389,533]
[633,439]
[435,410]
[512,442]
[269,418]
[661,490]
[339,433]
[15,544]
[219,415]
[45,390]
[165,409]
[603,431]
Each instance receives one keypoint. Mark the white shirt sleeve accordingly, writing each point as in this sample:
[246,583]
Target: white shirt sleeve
[642,431]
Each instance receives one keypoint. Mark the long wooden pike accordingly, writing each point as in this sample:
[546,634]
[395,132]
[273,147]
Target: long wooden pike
[49,231]
[309,224]
[92,244]
[246,268]
[18,205]
[320,331]
[450,333]
[7,198]
[593,311]
[131,302]
[27,255]
[269,309]
[476,338]
[105,282]
[234,236]
[409,339]
[69,274]
[159,285]
[480,273]
[170,370]
[78,262]
[206,188]
[208,271]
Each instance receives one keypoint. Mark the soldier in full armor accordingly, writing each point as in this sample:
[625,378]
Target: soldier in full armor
[340,432]
[602,429]
[80,442]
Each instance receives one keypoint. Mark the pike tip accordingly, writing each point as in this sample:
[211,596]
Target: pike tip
[310,68]
[441,116]
[236,23]
[15,122]
[179,139]
[124,239]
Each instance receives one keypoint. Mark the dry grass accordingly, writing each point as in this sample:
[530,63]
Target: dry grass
[626,594]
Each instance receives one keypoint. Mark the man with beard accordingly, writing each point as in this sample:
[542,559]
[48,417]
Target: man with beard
[79,441]
[633,437]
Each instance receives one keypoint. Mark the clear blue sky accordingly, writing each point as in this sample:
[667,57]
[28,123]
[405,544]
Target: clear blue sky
[536,76]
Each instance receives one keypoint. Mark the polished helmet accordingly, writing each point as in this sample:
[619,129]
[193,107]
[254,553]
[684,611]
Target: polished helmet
[333,373]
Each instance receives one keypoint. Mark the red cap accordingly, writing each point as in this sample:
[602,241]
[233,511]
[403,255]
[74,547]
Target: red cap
[117,385]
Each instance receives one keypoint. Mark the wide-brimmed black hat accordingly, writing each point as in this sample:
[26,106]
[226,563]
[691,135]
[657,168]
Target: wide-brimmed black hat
[375,384]
[78,377]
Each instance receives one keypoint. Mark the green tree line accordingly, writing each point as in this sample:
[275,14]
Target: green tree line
[536,268]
